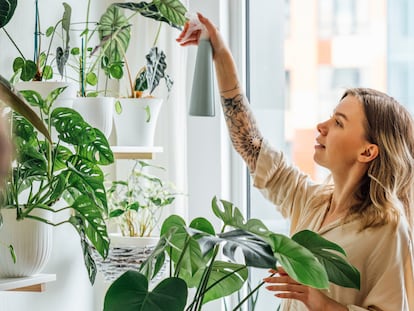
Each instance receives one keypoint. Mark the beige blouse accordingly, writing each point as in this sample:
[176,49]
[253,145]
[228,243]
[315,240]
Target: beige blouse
[383,256]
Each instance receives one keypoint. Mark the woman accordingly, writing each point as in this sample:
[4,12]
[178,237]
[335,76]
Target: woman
[368,146]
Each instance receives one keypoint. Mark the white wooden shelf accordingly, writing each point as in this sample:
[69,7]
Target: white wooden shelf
[135,152]
[36,283]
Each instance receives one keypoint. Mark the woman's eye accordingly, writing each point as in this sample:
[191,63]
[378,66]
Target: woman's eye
[337,123]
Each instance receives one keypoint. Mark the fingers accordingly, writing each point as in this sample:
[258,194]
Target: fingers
[292,288]
[280,279]
[279,270]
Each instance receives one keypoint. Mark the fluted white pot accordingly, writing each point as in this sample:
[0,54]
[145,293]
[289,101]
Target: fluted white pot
[32,243]
[134,127]
[97,111]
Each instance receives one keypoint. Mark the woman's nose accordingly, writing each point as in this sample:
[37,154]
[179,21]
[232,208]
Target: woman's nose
[322,127]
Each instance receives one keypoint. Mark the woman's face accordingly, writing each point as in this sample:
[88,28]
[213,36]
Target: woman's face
[341,138]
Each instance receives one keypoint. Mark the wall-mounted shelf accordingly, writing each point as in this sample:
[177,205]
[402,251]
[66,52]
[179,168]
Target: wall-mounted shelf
[36,283]
[133,152]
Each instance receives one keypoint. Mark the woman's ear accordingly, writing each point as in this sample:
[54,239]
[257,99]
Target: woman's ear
[369,153]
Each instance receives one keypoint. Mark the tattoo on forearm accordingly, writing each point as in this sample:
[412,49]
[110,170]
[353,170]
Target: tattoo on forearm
[244,132]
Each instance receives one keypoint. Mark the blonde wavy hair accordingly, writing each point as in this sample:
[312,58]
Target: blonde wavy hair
[387,190]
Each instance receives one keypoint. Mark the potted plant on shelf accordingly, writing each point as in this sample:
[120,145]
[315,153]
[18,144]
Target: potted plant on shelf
[65,171]
[11,98]
[193,251]
[136,206]
[95,105]
[138,111]
[29,72]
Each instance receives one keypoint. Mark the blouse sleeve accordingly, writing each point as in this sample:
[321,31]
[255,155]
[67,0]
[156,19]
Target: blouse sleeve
[283,184]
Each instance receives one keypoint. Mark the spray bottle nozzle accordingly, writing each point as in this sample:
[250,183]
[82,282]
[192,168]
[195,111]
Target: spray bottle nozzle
[194,24]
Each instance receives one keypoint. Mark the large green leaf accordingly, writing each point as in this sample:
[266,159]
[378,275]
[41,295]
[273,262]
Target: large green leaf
[15,101]
[93,223]
[130,293]
[78,223]
[171,12]
[228,213]
[185,250]
[256,252]
[7,8]
[71,127]
[98,151]
[88,179]
[298,261]
[225,279]
[114,33]
[339,270]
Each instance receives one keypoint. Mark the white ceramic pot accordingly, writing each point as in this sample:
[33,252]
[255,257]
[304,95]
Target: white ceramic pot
[117,240]
[132,125]
[32,243]
[97,111]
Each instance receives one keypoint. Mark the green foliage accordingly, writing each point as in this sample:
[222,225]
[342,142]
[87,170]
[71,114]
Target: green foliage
[170,294]
[136,204]
[15,101]
[115,32]
[39,68]
[64,170]
[193,250]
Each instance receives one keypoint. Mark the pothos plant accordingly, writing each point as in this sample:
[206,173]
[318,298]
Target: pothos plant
[194,262]
[66,170]
[41,66]
[115,31]
[136,204]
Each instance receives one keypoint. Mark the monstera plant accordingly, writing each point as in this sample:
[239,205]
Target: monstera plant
[66,170]
[193,252]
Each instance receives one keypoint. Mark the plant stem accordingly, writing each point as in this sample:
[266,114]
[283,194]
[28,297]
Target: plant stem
[250,294]
[14,43]
[158,34]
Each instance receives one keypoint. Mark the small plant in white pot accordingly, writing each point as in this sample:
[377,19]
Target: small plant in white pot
[137,112]
[136,206]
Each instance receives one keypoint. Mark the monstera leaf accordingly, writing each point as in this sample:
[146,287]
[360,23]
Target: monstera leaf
[332,256]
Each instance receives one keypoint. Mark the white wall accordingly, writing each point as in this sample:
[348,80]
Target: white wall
[72,290]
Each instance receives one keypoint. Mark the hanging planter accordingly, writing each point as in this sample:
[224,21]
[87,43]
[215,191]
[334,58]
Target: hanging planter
[125,253]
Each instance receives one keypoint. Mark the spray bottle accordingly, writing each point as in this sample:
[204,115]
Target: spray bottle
[202,93]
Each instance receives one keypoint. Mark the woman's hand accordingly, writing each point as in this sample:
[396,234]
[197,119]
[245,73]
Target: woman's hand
[216,39]
[288,288]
